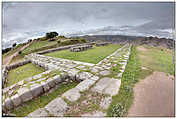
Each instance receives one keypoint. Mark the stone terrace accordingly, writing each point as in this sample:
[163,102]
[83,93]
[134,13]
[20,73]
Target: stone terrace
[96,78]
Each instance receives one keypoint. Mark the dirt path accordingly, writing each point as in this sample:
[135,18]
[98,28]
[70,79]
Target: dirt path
[7,60]
[154,96]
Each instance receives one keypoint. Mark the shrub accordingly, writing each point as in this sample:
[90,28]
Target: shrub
[14,45]
[51,35]
[118,110]
[58,41]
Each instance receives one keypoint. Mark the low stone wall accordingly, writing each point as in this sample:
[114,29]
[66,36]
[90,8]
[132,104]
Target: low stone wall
[102,44]
[13,66]
[61,48]
[10,67]
[80,48]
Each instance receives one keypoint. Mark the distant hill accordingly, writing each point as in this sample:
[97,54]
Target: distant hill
[122,39]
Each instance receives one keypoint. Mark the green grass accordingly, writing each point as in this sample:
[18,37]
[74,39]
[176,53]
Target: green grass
[41,101]
[93,55]
[157,59]
[37,45]
[123,100]
[22,72]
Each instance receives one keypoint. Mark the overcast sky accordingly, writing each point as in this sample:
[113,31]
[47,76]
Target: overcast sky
[24,20]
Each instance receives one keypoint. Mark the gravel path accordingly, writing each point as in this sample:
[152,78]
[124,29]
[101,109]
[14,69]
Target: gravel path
[154,96]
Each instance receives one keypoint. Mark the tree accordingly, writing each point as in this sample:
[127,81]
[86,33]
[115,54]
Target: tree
[51,35]
[14,45]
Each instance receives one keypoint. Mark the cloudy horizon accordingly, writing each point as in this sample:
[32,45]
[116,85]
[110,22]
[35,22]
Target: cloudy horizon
[25,20]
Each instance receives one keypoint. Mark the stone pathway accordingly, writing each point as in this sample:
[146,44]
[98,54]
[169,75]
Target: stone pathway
[100,78]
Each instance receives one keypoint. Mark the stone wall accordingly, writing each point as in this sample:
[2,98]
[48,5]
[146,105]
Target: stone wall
[61,48]
[10,67]
[80,48]
[102,44]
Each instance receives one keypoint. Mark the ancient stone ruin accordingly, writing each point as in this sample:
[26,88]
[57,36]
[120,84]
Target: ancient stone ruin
[102,44]
[93,77]
[80,48]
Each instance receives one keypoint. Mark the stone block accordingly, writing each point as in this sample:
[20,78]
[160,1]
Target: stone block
[45,86]
[105,102]
[57,107]
[84,75]
[84,85]
[16,100]
[41,112]
[36,89]
[9,104]
[72,94]
[25,94]
[107,86]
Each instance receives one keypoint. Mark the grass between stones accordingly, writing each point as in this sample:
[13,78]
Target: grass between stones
[41,101]
[93,55]
[157,59]
[123,100]
[22,72]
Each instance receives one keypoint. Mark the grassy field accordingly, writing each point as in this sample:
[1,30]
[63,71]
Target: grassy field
[156,59]
[22,72]
[36,45]
[41,101]
[91,55]
[123,100]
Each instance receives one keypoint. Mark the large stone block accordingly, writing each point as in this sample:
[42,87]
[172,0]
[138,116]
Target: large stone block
[57,107]
[45,86]
[36,89]
[41,112]
[8,104]
[107,86]
[105,102]
[72,94]
[16,100]
[84,85]
[25,94]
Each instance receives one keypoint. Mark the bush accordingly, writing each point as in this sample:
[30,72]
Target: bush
[58,41]
[118,110]
[14,45]
[51,35]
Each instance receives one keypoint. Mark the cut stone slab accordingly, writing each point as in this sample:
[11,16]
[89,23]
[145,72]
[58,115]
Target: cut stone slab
[94,114]
[105,102]
[84,85]
[16,100]
[72,94]
[57,107]
[107,86]
[94,78]
[8,104]
[41,112]
[25,94]
[105,72]
[36,89]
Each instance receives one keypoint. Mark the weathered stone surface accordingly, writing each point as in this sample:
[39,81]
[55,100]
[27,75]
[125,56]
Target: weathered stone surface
[45,86]
[72,94]
[25,94]
[107,86]
[9,104]
[41,112]
[57,107]
[51,82]
[105,72]
[81,67]
[105,102]
[16,100]
[94,78]
[84,75]
[36,89]
[84,85]
[94,114]
[57,79]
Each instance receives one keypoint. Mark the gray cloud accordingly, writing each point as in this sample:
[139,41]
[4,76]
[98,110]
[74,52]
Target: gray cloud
[34,19]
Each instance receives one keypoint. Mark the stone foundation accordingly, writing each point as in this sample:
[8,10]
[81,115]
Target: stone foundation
[80,48]
[102,44]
